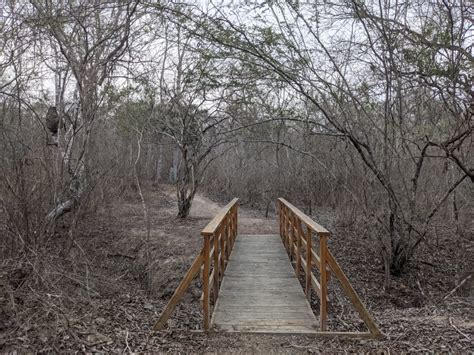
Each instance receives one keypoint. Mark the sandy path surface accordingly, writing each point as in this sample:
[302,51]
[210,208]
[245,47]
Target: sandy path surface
[249,222]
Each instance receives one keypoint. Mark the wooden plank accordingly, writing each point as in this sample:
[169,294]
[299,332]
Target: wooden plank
[255,283]
[265,329]
[210,229]
[230,315]
[294,329]
[353,296]
[238,302]
[260,289]
[178,294]
[261,322]
[250,266]
[265,289]
[263,307]
[320,230]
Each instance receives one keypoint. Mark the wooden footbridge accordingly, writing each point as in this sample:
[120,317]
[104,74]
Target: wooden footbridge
[253,285]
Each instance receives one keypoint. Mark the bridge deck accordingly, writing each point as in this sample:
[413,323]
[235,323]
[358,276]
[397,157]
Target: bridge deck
[260,292]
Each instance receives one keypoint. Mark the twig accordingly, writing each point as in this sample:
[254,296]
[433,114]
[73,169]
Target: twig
[127,347]
[122,255]
[457,329]
[456,288]
[422,292]
[427,263]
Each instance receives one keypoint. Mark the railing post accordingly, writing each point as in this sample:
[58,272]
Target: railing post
[323,249]
[205,281]
[215,239]
[294,236]
[284,225]
[309,261]
[223,244]
[280,218]
[298,247]
[230,232]
[236,220]
[290,235]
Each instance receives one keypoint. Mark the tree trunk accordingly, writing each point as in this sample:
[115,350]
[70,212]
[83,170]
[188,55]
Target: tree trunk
[186,182]
[184,206]
[186,194]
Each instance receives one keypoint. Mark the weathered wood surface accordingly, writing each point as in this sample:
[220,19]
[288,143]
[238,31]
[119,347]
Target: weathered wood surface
[317,228]
[260,292]
[216,222]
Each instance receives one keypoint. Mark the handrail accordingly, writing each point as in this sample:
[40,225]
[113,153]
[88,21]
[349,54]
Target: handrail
[216,222]
[315,227]
[298,243]
[221,233]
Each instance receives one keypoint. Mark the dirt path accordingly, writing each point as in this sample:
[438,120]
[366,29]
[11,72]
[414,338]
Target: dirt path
[250,222]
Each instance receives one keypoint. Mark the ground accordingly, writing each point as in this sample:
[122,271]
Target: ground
[99,297]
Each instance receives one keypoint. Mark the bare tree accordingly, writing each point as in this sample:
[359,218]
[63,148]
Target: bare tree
[91,38]
[399,96]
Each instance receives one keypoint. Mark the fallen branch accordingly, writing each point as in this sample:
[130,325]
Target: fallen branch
[457,287]
[457,329]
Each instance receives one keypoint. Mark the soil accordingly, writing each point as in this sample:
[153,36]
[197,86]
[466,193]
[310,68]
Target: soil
[105,294]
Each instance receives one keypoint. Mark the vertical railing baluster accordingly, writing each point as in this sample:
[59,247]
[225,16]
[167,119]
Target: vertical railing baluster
[293,236]
[323,249]
[216,262]
[308,263]
[298,247]
[205,280]
[280,219]
[223,247]
[236,220]
[288,229]
[234,234]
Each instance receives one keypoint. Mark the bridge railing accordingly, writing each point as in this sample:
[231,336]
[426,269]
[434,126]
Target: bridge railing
[218,239]
[296,231]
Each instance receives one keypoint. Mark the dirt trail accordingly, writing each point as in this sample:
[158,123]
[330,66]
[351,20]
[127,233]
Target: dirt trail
[249,222]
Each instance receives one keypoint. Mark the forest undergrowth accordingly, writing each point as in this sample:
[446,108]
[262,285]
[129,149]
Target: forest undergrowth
[105,292]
